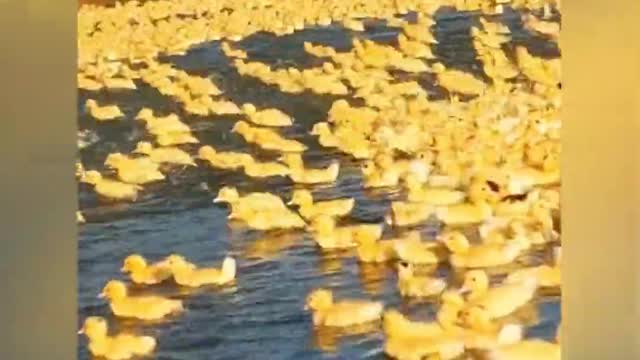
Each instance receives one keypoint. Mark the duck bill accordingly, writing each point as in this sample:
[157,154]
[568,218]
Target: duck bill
[306,308]
[102,295]
[123,269]
[81,331]
[463,290]
[217,200]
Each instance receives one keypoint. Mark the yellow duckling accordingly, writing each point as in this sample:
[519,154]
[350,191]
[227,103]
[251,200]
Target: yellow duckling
[329,236]
[224,107]
[136,171]
[110,189]
[143,273]
[524,179]
[254,200]
[303,175]
[187,274]
[176,138]
[118,347]
[482,334]
[256,169]
[103,113]
[464,213]
[414,49]
[370,250]
[267,138]
[409,213]
[463,255]
[227,160]
[139,307]
[412,285]
[325,137]
[547,276]
[458,81]
[498,301]
[159,125]
[433,195]
[171,155]
[377,177]
[309,209]
[343,313]
[533,349]
[396,325]
[267,219]
[267,117]
[410,248]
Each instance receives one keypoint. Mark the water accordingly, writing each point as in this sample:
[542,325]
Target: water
[262,315]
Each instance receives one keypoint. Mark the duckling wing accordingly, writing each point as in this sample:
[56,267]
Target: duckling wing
[526,350]
[504,300]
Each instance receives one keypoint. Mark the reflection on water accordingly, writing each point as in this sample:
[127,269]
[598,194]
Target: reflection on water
[262,313]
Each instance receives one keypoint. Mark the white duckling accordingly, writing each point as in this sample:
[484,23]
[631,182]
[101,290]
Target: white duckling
[303,175]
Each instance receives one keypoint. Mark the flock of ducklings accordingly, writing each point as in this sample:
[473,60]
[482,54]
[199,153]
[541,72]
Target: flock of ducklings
[486,157]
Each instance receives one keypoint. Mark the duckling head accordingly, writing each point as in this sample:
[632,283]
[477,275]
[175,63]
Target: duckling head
[90,104]
[484,190]
[455,241]
[144,114]
[227,194]
[368,168]
[114,290]
[114,159]
[323,224]
[319,299]
[301,197]
[405,270]
[475,280]
[249,108]
[241,127]
[91,177]
[206,151]
[95,327]
[133,262]
[438,68]
[143,147]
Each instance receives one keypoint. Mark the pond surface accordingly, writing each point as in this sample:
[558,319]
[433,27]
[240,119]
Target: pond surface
[261,316]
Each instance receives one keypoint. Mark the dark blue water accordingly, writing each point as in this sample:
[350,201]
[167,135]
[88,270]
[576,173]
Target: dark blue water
[261,316]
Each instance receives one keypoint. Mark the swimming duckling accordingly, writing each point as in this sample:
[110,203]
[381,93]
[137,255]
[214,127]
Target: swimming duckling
[343,313]
[267,138]
[256,169]
[142,273]
[376,176]
[171,155]
[267,117]
[532,349]
[433,195]
[118,347]
[498,301]
[412,285]
[408,213]
[159,125]
[411,249]
[480,333]
[303,175]
[264,220]
[187,274]
[110,189]
[329,236]
[479,256]
[140,307]
[547,276]
[103,113]
[136,171]
[309,209]
[255,200]
[224,160]
[176,138]
[370,250]
[458,81]
[464,213]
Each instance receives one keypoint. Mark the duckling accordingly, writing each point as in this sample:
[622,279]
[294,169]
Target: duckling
[547,276]
[498,301]
[187,274]
[159,125]
[479,256]
[136,171]
[224,160]
[257,169]
[526,350]
[119,83]
[327,312]
[272,219]
[103,113]
[171,155]
[412,285]
[267,117]
[481,333]
[458,81]
[142,273]
[255,200]
[377,177]
[408,213]
[176,138]
[309,209]
[139,307]
[433,195]
[411,249]
[464,213]
[370,250]
[414,49]
[224,107]
[110,189]
[267,138]
[303,175]
[396,325]
[118,347]
[329,236]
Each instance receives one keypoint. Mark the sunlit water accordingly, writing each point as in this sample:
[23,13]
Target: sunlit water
[261,316]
